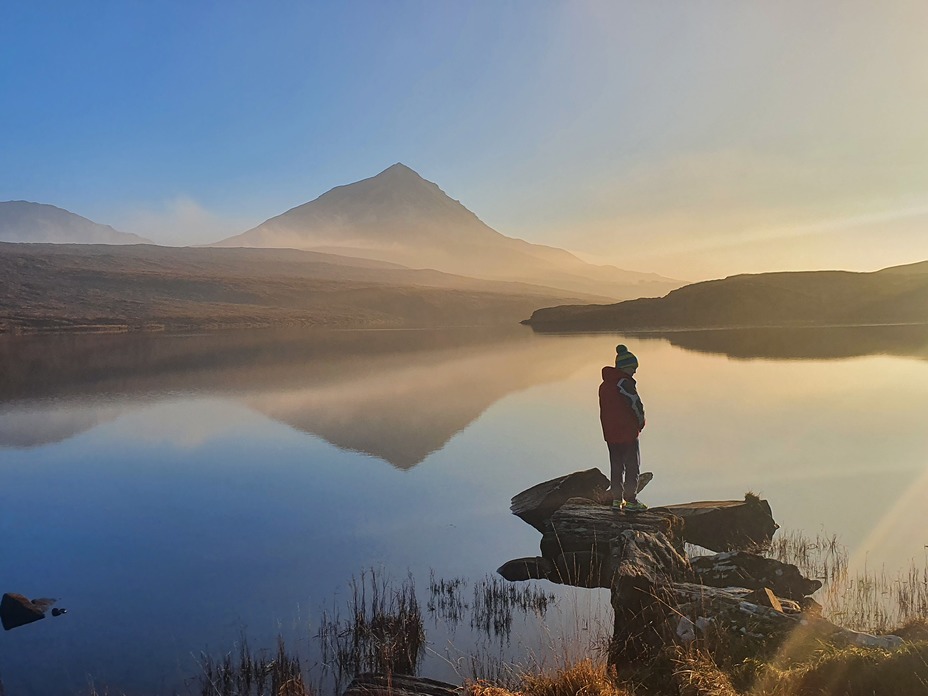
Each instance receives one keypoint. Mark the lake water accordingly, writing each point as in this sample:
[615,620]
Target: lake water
[175,491]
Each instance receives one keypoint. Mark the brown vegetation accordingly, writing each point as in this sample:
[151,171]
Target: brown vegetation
[47,287]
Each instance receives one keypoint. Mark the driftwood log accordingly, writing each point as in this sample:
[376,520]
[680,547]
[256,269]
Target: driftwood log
[659,596]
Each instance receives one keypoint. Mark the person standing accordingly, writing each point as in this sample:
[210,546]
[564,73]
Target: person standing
[621,414]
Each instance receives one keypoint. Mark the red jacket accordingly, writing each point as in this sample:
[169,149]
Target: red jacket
[620,409]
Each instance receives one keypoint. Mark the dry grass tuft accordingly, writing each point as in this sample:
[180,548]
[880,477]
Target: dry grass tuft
[850,671]
[484,688]
[585,678]
[696,674]
[914,631]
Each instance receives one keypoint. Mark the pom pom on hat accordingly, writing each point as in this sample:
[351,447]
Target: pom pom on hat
[625,359]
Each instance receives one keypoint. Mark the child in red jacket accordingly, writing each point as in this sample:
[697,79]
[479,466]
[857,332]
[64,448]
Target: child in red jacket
[622,416]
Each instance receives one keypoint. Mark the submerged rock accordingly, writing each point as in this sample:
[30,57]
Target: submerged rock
[531,568]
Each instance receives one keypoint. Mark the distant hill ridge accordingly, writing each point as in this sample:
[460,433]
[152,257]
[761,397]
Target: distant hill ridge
[81,287]
[896,295]
[400,217]
[40,223]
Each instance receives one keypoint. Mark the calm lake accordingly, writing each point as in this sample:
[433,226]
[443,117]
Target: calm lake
[176,491]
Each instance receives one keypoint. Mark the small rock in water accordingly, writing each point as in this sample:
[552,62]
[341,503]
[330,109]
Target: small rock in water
[16,610]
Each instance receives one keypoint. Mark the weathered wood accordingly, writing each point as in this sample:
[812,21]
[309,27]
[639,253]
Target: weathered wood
[370,684]
[725,525]
[537,504]
[750,570]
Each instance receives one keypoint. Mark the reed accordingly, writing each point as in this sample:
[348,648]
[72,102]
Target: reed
[249,673]
[383,631]
[874,601]
[497,600]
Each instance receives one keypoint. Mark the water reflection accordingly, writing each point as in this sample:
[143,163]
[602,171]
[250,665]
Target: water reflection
[396,395]
[181,472]
[33,427]
[806,343]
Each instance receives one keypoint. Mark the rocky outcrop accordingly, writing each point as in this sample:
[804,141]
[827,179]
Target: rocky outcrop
[720,525]
[658,595]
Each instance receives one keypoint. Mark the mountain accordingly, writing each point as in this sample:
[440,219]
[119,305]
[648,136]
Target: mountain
[22,221]
[400,217]
[62,287]
[896,295]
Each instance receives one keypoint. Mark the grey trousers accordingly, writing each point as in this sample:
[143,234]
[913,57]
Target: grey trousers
[625,465]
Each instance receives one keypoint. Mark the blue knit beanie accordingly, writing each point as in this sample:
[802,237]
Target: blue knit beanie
[624,359]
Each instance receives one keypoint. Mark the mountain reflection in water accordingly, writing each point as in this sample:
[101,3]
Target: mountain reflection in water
[396,395]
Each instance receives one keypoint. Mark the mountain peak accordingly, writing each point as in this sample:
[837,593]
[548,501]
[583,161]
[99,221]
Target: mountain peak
[399,169]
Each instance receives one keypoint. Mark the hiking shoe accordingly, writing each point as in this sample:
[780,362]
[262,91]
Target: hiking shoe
[635,506]
[618,505]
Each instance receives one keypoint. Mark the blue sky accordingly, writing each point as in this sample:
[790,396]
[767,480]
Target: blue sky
[692,139]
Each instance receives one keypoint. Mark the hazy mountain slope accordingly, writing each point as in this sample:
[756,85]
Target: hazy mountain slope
[398,216]
[893,295]
[22,221]
[55,287]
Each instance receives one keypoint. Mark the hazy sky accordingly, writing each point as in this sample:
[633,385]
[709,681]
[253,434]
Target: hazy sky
[695,139]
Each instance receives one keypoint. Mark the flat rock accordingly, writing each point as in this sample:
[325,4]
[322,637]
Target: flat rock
[584,527]
[17,610]
[536,504]
[399,685]
[726,525]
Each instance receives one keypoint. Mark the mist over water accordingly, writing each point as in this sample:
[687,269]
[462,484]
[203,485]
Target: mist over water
[175,490]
